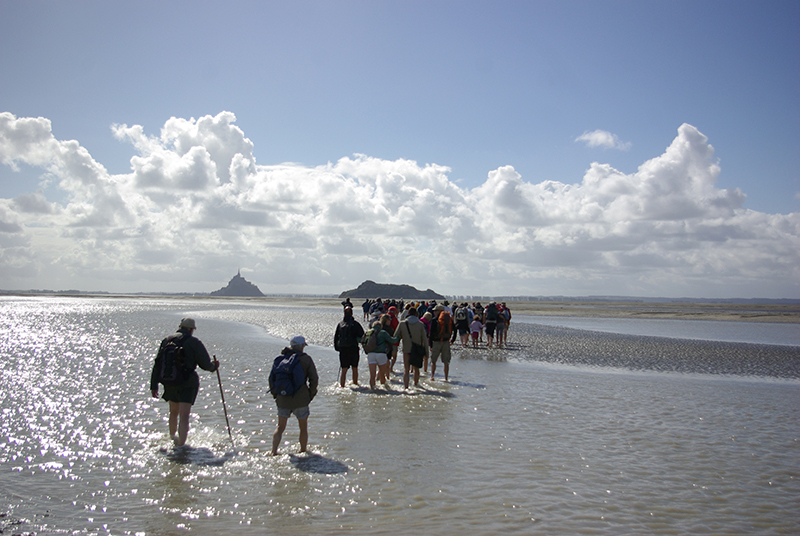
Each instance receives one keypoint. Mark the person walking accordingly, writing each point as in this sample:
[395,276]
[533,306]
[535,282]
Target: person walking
[181,382]
[507,315]
[299,401]
[462,318]
[393,323]
[345,341]
[475,328]
[378,358]
[490,322]
[442,331]
[413,335]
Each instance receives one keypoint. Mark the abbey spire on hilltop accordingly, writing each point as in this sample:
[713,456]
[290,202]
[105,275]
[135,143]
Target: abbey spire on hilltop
[240,287]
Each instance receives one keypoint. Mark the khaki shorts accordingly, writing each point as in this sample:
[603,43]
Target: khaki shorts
[440,348]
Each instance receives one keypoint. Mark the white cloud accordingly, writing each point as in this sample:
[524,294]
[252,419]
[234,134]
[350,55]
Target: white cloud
[196,206]
[603,138]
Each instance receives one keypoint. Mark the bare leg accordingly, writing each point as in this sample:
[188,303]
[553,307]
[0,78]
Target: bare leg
[303,434]
[416,376]
[174,410]
[276,437]
[179,422]
[406,369]
[446,371]
[384,373]
[342,377]
[355,375]
[373,369]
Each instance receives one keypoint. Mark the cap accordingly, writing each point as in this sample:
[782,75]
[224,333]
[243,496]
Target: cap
[188,323]
[439,308]
[298,340]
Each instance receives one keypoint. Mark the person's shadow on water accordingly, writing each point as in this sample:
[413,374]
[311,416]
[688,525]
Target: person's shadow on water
[197,456]
[316,463]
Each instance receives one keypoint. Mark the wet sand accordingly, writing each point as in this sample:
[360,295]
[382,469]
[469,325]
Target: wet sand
[585,348]
[681,311]
[732,312]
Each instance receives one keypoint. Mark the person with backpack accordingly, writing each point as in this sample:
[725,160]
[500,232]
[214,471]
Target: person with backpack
[442,331]
[500,329]
[490,322]
[174,367]
[507,315]
[415,345]
[293,383]
[463,318]
[377,343]
[345,341]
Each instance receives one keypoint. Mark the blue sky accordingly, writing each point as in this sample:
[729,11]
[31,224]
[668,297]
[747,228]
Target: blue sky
[470,87]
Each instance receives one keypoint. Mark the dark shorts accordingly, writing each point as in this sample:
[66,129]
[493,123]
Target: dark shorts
[348,357]
[184,392]
[490,328]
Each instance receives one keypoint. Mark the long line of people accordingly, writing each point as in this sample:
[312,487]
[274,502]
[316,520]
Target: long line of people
[425,329]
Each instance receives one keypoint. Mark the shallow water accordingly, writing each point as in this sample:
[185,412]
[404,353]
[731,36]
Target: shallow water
[709,330]
[567,431]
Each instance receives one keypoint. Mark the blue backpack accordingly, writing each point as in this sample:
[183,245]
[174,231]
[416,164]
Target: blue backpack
[287,375]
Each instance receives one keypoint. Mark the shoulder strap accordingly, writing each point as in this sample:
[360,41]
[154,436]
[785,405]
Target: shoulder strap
[410,336]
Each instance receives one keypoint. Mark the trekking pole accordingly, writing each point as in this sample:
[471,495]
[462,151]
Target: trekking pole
[224,409]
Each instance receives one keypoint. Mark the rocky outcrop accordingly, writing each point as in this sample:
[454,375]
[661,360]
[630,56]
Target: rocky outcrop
[371,289]
[240,287]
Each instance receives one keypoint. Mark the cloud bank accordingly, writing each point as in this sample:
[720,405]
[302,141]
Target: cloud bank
[196,207]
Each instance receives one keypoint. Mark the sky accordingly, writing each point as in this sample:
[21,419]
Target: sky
[538,148]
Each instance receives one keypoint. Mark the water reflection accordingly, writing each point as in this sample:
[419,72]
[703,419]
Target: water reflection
[508,445]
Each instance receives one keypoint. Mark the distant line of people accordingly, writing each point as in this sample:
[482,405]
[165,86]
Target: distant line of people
[426,330]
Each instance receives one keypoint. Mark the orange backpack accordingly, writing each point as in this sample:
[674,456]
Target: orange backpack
[445,326]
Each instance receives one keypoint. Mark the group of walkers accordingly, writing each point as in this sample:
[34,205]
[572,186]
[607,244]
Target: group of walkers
[421,332]
[425,330]
[293,382]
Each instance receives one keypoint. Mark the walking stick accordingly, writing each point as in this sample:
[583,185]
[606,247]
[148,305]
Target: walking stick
[224,409]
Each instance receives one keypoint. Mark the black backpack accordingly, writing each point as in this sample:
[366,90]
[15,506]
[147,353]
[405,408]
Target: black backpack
[173,369]
[348,336]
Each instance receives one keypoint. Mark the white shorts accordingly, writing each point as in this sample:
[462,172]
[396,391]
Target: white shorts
[377,358]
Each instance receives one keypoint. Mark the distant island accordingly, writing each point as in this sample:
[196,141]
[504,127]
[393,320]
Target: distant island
[371,289]
[238,286]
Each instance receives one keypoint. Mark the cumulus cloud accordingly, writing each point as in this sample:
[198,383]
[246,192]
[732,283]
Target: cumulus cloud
[603,138]
[196,206]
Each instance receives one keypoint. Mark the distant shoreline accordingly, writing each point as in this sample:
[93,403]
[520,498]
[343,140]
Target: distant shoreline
[726,312]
